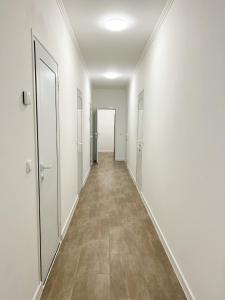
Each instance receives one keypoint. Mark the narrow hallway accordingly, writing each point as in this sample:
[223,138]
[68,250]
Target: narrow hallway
[111,250]
[112,157]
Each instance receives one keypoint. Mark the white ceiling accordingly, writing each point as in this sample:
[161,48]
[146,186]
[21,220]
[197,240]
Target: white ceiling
[105,50]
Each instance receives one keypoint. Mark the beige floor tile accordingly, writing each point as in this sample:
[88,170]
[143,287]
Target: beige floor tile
[111,250]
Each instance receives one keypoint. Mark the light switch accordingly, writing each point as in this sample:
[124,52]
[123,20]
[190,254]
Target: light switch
[26,98]
[28,166]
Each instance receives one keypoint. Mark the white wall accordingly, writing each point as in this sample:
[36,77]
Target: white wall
[115,98]
[183,75]
[106,125]
[19,272]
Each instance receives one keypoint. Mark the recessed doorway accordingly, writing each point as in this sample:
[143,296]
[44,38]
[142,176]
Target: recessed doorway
[79,140]
[105,132]
[47,128]
[140,142]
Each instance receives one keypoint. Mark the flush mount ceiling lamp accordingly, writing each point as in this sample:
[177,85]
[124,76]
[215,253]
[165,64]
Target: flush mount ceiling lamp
[116,23]
[111,75]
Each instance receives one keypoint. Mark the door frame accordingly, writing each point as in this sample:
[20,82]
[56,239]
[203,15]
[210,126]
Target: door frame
[91,136]
[115,110]
[80,95]
[140,96]
[35,40]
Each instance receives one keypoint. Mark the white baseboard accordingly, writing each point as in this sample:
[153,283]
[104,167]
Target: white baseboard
[68,220]
[86,177]
[38,293]
[180,276]
[132,176]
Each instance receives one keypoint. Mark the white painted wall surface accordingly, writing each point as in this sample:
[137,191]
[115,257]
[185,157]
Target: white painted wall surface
[19,275]
[116,99]
[183,75]
[106,130]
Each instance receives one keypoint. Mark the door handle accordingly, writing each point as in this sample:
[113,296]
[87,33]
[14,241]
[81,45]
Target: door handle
[44,167]
[140,147]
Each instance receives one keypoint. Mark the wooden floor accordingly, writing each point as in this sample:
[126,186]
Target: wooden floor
[111,250]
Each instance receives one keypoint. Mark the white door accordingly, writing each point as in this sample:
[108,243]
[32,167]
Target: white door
[91,136]
[106,130]
[95,130]
[140,139]
[79,140]
[46,92]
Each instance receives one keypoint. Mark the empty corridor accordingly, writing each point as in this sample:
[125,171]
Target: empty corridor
[111,250]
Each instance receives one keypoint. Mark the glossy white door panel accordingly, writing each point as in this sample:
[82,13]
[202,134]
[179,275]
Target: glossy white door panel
[91,136]
[79,140]
[95,136]
[140,142]
[106,130]
[46,92]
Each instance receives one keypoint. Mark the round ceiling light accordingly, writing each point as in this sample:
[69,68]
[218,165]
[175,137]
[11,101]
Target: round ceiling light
[116,24]
[111,75]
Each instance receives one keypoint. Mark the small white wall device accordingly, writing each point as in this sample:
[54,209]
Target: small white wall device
[28,166]
[26,98]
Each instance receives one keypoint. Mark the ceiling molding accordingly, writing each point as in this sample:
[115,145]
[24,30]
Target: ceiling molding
[71,32]
[156,29]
